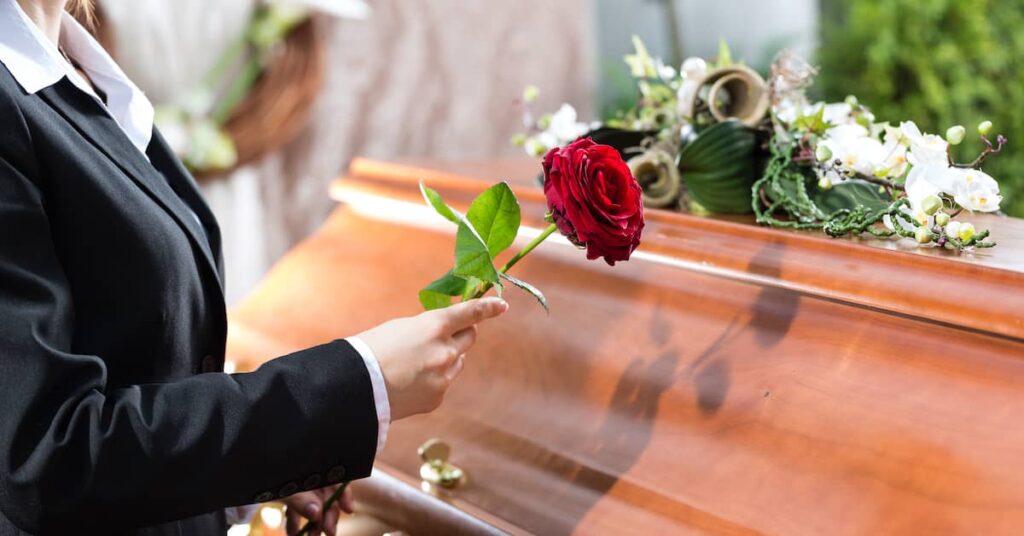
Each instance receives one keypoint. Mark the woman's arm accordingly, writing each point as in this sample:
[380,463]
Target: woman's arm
[77,456]
[74,453]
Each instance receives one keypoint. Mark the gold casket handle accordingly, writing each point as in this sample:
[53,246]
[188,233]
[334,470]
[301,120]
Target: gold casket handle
[436,469]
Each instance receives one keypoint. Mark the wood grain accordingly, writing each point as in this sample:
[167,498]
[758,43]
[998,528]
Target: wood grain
[728,380]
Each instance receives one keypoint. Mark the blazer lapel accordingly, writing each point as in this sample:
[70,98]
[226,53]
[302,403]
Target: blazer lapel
[183,184]
[91,120]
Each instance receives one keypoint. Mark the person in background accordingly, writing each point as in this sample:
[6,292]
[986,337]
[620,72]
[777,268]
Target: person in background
[115,415]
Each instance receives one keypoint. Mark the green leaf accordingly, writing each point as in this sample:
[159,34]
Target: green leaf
[496,217]
[434,200]
[849,195]
[724,54]
[814,123]
[434,300]
[534,291]
[472,258]
[438,294]
[720,167]
[472,286]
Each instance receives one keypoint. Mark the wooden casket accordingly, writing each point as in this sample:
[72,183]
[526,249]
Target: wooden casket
[730,379]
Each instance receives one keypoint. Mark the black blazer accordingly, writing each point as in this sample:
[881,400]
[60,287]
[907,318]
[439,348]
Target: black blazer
[114,415]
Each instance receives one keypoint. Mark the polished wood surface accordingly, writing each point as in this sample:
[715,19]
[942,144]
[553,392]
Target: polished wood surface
[730,379]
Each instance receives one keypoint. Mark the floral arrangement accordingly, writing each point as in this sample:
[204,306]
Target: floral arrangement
[716,137]
[195,126]
[592,198]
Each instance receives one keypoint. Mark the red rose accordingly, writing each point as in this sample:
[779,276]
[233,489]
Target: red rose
[594,199]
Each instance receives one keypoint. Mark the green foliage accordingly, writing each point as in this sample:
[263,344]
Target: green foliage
[719,167]
[472,258]
[724,54]
[495,216]
[938,63]
[489,227]
[850,195]
[438,294]
[434,200]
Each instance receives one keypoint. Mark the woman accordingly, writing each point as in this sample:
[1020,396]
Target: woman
[114,415]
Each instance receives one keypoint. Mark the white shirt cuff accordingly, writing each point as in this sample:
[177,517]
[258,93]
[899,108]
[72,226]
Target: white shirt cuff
[380,390]
[244,514]
[238,515]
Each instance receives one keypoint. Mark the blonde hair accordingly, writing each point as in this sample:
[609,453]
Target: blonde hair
[83,9]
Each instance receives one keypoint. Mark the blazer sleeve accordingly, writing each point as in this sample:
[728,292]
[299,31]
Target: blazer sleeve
[76,454]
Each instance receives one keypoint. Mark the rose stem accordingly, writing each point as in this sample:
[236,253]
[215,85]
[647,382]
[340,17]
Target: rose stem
[529,247]
[519,256]
[327,507]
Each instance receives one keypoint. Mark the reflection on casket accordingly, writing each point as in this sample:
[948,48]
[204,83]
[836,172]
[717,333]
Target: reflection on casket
[729,379]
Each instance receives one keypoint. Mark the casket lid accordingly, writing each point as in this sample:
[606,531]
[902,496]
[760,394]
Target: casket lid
[974,290]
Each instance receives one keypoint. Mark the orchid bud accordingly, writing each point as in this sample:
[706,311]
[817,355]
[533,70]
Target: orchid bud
[931,204]
[984,128]
[824,183]
[966,232]
[923,235]
[921,217]
[955,134]
[941,219]
[530,93]
[823,153]
[519,140]
[953,229]
[544,122]
[851,101]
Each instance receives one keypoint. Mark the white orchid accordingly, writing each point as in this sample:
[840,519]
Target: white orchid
[926,180]
[932,174]
[856,149]
[565,125]
[975,190]
[789,108]
[559,129]
[896,162]
[540,144]
[836,113]
[924,148]
[693,71]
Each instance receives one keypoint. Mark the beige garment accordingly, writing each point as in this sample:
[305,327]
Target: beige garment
[420,78]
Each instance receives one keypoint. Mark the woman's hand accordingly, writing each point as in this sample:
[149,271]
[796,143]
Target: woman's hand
[309,505]
[420,356]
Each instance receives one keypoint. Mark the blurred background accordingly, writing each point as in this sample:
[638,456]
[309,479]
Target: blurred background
[270,107]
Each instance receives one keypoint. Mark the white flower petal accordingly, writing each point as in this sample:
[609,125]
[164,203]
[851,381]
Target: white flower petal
[352,9]
[694,68]
[910,130]
[838,113]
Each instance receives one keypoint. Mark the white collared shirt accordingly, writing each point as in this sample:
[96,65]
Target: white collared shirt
[37,64]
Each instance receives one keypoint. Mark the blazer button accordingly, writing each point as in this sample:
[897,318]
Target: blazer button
[312,482]
[209,364]
[266,496]
[336,475]
[288,489]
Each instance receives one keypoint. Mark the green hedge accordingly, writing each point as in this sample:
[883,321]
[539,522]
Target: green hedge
[937,62]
